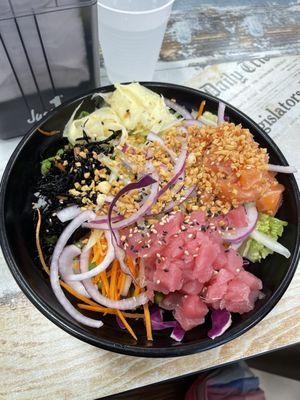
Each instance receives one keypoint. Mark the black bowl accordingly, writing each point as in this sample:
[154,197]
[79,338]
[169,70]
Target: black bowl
[18,237]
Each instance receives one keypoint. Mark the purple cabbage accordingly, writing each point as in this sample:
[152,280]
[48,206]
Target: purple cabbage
[221,321]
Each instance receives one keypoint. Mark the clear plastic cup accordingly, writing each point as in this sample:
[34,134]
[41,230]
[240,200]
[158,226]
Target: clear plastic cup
[131,33]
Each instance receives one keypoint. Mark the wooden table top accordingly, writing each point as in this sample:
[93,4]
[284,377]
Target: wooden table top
[39,360]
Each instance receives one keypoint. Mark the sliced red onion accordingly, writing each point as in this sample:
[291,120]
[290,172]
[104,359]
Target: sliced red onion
[124,148]
[126,286]
[282,169]
[178,333]
[240,234]
[104,220]
[193,122]
[179,109]
[68,213]
[54,278]
[90,287]
[101,220]
[221,321]
[187,193]
[120,323]
[126,163]
[141,279]
[149,155]
[182,130]
[270,243]
[178,170]
[109,223]
[145,181]
[221,112]
[108,259]
[176,121]
[119,252]
[124,304]
[152,137]
[109,199]
[65,267]
[236,245]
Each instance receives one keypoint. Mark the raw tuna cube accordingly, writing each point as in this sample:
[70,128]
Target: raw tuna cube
[167,277]
[216,238]
[218,286]
[203,269]
[234,262]
[192,287]
[171,301]
[198,216]
[190,312]
[215,292]
[251,280]
[220,261]
[223,276]
[187,268]
[171,227]
[237,218]
[174,249]
[238,297]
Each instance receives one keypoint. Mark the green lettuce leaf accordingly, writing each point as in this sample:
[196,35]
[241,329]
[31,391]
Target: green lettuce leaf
[271,226]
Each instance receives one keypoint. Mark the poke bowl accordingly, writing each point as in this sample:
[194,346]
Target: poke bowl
[150,219]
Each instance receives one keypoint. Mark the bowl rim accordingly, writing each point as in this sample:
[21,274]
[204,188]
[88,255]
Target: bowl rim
[179,349]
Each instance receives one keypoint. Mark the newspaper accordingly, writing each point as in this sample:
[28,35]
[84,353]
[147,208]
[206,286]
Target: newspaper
[266,89]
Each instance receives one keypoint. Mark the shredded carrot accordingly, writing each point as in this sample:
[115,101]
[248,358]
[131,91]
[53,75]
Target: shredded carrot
[100,245]
[60,166]
[108,273]
[96,279]
[131,266]
[125,323]
[148,322]
[76,294]
[105,284]
[114,294]
[201,108]
[113,280]
[38,243]
[76,266]
[46,133]
[99,308]
[121,282]
[96,254]
[137,291]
